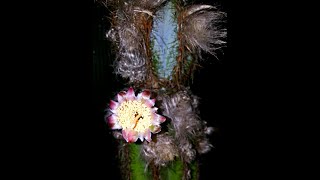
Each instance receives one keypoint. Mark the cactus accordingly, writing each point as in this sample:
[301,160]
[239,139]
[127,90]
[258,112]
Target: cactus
[159,44]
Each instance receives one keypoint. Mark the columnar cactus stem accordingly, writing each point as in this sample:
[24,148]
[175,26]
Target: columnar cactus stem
[159,44]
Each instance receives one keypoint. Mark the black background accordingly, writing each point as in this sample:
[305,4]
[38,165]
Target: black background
[60,129]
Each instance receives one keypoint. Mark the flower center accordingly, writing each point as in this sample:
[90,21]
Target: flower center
[134,115]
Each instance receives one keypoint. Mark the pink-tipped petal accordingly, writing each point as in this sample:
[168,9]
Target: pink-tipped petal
[158,119]
[144,94]
[150,102]
[130,135]
[130,94]
[147,135]
[121,96]
[154,109]
[113,122]
[155,128]
[113,105]
[125,134]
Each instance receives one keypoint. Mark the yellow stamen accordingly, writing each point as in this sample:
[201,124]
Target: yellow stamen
[136,120]
[134,114]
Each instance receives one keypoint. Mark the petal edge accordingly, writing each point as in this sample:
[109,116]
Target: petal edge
[130,94]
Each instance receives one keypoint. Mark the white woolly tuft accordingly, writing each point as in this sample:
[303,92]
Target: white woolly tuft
[128,36]
[190,131]
[161,152]
[202,29]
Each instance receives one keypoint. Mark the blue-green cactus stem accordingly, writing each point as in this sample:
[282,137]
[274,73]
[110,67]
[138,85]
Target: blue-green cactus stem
[164,40]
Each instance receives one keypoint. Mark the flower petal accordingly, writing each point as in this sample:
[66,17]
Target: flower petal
[121,96]
[141,136]
[154,109]
[150,102]
[113,105]
[125,134]
[147,135]
[130,135]
[112,122]
[158,119]
[130,94]
[144,95]
[155,128]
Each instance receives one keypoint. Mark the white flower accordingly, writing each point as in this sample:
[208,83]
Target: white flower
[135,115]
